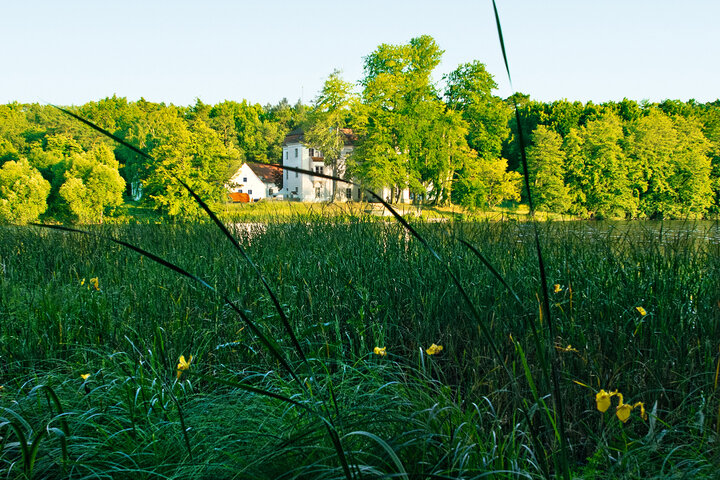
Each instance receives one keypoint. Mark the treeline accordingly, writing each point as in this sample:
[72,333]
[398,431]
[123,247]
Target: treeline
[455,141]
[626,159]
[53,165]
[446,141]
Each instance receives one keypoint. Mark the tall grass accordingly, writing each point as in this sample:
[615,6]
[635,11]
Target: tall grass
[347,287]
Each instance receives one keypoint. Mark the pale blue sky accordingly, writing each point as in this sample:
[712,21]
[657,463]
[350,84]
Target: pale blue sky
[73,51]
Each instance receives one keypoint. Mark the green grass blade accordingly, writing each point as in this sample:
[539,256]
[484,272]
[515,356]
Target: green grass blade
[272,347]
[402,473]
[541,266]
[492,269]
[215,219]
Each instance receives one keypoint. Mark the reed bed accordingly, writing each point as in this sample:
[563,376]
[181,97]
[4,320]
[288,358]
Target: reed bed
[75,305]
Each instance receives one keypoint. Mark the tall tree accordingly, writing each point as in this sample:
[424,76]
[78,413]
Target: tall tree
[405,122]
[329,120]
[546,168]
[23,192]
[597,170]
[92,184]
[469,91]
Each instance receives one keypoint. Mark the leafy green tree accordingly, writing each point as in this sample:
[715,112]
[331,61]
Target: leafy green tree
[23,192]
[671,158]
[692,174]
[329,120]
[546,168]
[597,169]
[486,183]
[92,184]
[405,128]
[13,126]
[469,91]
[192,153]
[651,143]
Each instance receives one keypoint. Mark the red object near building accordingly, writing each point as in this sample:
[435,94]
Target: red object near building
[238,197]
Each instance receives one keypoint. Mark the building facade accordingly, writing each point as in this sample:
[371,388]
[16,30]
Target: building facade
[257,180]
[306,188]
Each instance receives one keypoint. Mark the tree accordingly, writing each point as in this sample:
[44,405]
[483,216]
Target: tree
[486,183]
[651,143]
[693,167]
[23,192]
[597,170]
[404,127]
[92,184]
[192,153]
[546,168]
[329,120]
[469,91]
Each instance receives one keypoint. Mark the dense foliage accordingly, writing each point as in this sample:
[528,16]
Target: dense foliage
[447,140]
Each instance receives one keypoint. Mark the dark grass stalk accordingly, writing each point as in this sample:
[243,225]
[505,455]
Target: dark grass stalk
[214,218]
[484,328]
[272,347]
[541,267]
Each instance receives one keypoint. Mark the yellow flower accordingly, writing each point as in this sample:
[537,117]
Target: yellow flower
[183,365]
[641,311]
[643,414]
[434,349]
[602,398]
[95,283]
[623,411]
[557,288]
[82,282]
[85,376]
[379,351]
[567,349]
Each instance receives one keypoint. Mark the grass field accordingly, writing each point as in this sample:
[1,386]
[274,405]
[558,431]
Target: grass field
[91,335]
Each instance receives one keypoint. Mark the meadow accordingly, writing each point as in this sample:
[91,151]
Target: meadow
[113,366]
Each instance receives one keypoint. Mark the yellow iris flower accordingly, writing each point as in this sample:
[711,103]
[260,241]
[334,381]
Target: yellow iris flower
[183,365]
[379,351]
[434,349]
[95,283]
[557,288]
[643,413]
[567,349]
[641,311]
[603,399]
[84,376]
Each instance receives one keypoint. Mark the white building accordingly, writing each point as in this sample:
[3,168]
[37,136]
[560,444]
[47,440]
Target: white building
[306,188]
[257,180]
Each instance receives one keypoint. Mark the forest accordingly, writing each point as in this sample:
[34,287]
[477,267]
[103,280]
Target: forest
[448,140]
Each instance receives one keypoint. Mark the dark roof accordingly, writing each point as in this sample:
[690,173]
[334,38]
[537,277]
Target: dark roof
[298,134]
[266,173]
[295,135]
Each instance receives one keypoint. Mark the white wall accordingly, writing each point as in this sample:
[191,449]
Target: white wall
[245,181]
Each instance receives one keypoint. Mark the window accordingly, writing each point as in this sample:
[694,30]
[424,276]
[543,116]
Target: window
[240,191]
[319,170]
[317,192]
[286,154]
[348,193]
[287,173]
[270,191]
[244,179]
[249,192]
[312,152]
[296,152]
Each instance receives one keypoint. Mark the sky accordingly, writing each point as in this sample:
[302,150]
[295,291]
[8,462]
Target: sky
[175,51]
